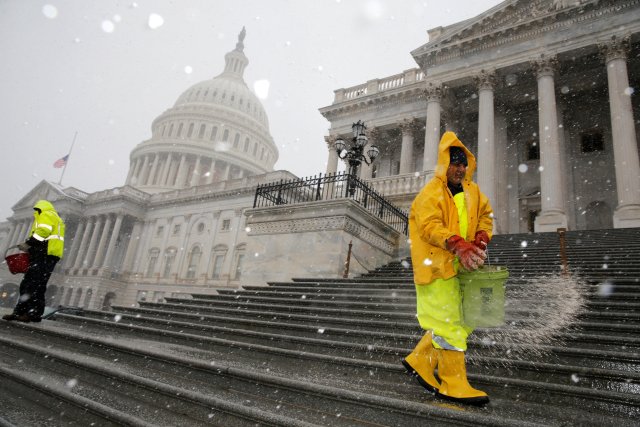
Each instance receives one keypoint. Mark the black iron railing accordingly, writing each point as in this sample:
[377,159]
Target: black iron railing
[331,187]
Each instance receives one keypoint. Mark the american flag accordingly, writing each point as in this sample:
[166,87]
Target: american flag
[62,161]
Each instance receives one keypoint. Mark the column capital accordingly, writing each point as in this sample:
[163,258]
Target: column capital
[373,133]
[485,79]
[615,48]
[409,125]
[434,91]
[544,65]
[330,140]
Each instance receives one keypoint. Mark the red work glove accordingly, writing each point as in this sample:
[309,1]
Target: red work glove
[471,257]
[482,240]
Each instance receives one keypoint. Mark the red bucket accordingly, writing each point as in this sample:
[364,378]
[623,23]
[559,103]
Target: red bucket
[17,263]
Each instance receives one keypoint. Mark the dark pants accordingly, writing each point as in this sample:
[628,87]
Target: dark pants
[34,286]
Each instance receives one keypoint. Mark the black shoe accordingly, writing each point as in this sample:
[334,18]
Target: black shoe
[23,318]
[9,317]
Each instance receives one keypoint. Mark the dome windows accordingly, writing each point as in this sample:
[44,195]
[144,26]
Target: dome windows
[214,132]
[201,132]
[190,131]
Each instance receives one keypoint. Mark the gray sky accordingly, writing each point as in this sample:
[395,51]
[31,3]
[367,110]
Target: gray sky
[99,68]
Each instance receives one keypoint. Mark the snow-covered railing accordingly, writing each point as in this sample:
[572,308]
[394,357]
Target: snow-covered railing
[331,187]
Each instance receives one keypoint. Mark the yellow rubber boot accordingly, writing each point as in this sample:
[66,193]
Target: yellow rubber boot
[453,379]
[422,362]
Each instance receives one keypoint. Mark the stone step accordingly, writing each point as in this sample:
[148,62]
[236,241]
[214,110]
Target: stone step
[379,373]
[199,374]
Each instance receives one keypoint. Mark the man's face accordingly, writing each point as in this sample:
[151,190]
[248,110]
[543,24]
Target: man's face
[456,172]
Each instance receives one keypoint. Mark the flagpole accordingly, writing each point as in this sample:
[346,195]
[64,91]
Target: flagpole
[68,157]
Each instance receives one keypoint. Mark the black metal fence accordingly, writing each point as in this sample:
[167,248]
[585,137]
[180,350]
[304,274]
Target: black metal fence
[331,187]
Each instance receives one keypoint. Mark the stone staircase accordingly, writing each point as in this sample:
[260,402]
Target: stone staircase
[326,352]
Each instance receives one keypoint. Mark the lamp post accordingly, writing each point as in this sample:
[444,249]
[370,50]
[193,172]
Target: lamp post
[354,154]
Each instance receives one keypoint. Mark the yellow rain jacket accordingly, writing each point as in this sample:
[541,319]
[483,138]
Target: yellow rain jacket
[434,217]
[48,228]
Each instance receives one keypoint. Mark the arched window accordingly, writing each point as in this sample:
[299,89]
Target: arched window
[194,260]
[153,260]
[201,132]
[171,130]
[255,149]
[239,259]
[179,134]
[214,132]
[236,140]
[246,145]
[190,131]
[225,135]
[217,260]
[169,259]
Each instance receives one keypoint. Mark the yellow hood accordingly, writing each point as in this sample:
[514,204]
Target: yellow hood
[448,140]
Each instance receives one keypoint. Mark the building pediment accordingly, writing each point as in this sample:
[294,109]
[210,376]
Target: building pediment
[48,191]
[510,21]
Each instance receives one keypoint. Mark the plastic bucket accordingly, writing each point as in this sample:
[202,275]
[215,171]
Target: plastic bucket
[17,263]
[483,296]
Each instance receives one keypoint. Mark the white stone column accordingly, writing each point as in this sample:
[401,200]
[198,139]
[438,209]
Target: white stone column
[90,254]
[132,165]
[502,184]
[625,144]
[180,172]
[552,215]
[227,169]
[113,240]
[152,172]
[486,167]
[195,177]
[212,171]
[73,251]
[332,161]
[23,234]
[408,128]
[97,262]
[11,236]
[132,246]
[79,261]
[373,138]
[166,169]
[141,177]
[433,93]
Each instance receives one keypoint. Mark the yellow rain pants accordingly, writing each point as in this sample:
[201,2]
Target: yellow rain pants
[439,303]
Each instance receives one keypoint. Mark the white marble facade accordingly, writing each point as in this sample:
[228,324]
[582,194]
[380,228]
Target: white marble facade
[177,225]
[541,91]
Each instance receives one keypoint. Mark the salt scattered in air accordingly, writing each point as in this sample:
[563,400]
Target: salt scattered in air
[541,168]
[72,383]
[111,162]
[575,378]
[523,168]
[605,266]
[261,88]
[303,297]
[605,289]
[134,5]
[76,40]
[117,18]
[188,69]
[405,263]
[321,331]
[628,91]
[564,89]
[117,318]
[524,243]
[427,261]
[107,26]
[247,229]
[210,416]
[49,11]
[155,21]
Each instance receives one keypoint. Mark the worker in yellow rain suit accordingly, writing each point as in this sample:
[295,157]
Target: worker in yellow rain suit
[450,225]
[45,246]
